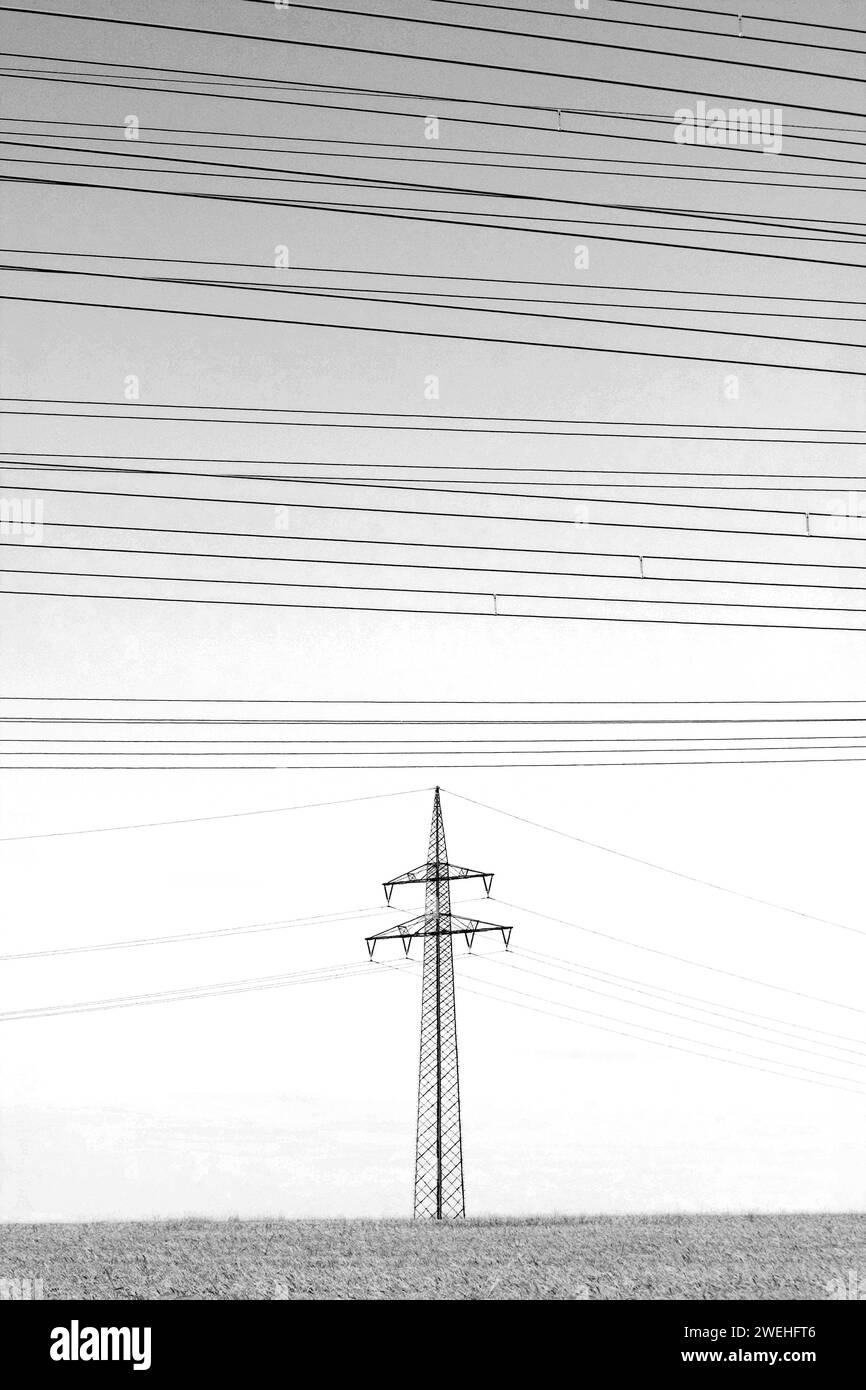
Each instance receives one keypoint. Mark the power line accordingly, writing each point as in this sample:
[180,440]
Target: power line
[216,168]
[485,993]
[322,975]
[641,577]
[434,485]
[461,721]
[734,14]
[445,612]
[399,415]
[744,221]
[477,516]
[409,766]
[357,297]
[332,700]
[350,291]
[398,767]
[404,589]
[446,482]
[199,820]
[432,161]
[331,918]
[597,43]
[686,960]
[413,213]
[457,278]
[431,426]
[357,49]
[586,18]
[371,748]
[789,222]
[736,1052]
[781,482]
[345,89]
[367,542]
[559,963]
[307,87]
[431,333]
[122,83]
[686,1018]
[421,743]
[664,869]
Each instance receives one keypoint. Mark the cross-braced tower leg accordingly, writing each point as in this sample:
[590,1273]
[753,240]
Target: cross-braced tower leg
[439,1147]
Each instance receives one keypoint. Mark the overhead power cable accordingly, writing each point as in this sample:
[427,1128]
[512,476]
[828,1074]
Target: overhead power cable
[397,700]
[436,217]
[324,974]
[670,291]
[430,295]
[491,990]
[433,161]
[235,94]
[434,485]
[664,869]
[752,1036]
[200,820]
[736,16]
[358,297]
[288,86]
[643,575]
[399,767]
[800,534]
[796,1026]
[834,232]
[366,542]
[828,133]
[334,721]
[404,589]
[448,613]
[471,747]
[412,213]
[792,1067]
[329,918]
[740,14]
[358,50]
[749,480]
[431,333]
[685,960]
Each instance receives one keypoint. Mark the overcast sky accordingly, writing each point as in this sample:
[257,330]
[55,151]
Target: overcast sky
[300,1101]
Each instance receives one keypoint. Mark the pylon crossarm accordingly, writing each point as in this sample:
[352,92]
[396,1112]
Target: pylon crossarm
[459,926]
[426,873]
[399,929]
[455,872]
[471,925]
[411,876]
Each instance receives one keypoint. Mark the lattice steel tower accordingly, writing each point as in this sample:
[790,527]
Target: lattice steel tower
[439,1191]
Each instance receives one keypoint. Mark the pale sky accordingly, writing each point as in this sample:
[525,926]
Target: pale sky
[300,1101]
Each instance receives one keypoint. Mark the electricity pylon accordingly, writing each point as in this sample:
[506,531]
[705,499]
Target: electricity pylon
[439,1191]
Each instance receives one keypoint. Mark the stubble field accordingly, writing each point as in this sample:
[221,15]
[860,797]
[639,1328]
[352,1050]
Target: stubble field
[618,1257]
